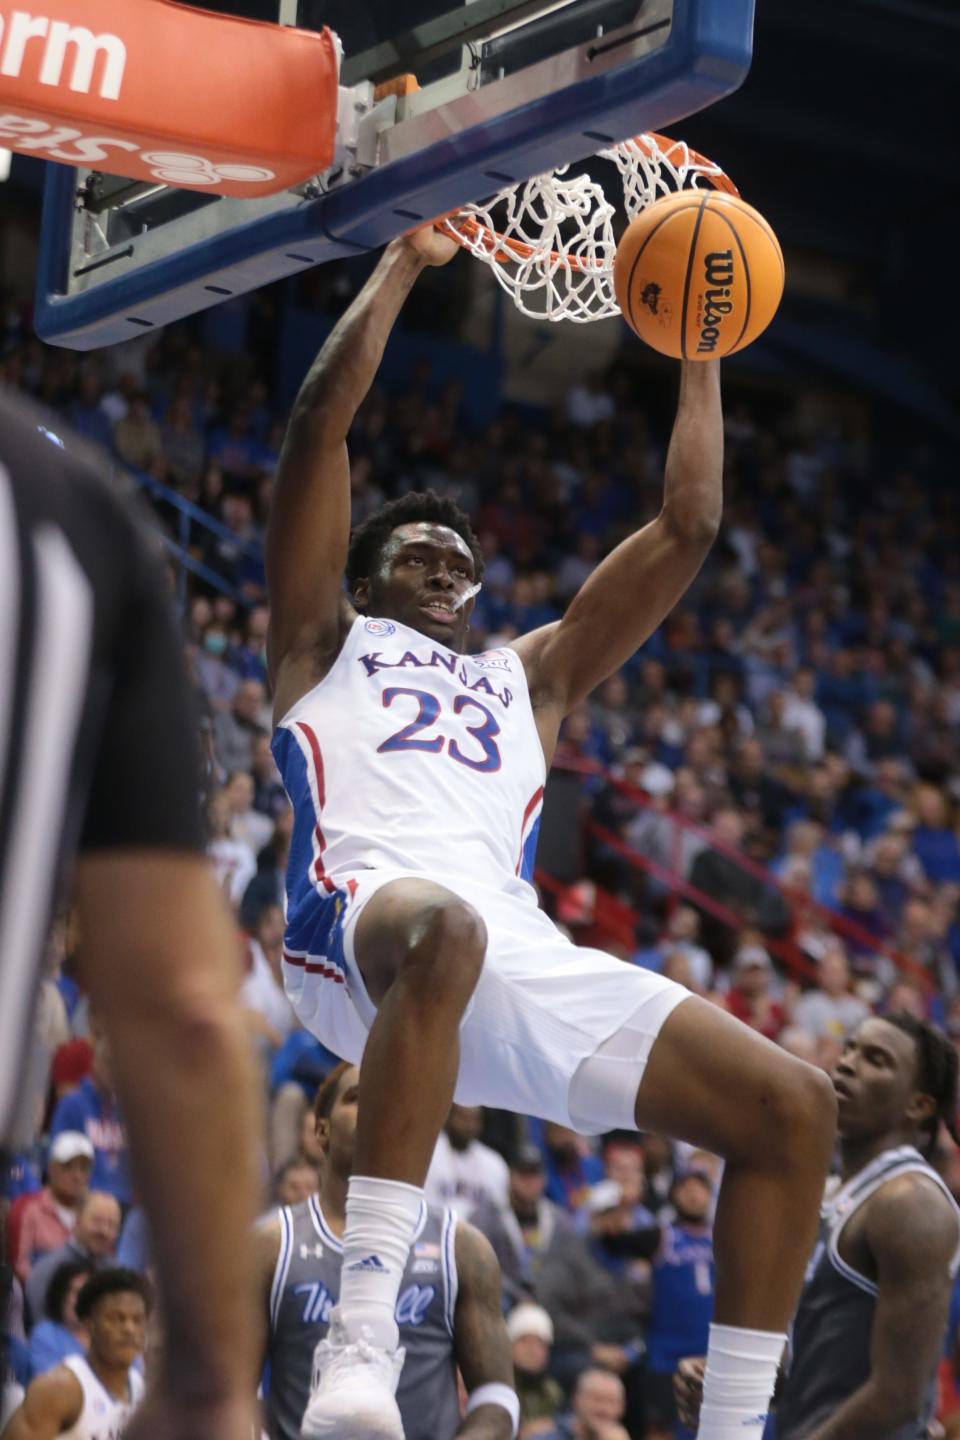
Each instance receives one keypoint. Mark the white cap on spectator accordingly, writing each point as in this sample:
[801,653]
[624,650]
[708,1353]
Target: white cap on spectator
[529,1319]
[69,1145]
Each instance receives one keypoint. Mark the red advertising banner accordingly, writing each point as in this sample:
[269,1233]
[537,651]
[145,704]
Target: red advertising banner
[164,92]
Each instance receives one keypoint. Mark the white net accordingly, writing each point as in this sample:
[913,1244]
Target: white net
[550,241]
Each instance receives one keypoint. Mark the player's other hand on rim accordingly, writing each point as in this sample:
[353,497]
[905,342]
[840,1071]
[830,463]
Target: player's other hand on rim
[688,1389]
[433,246]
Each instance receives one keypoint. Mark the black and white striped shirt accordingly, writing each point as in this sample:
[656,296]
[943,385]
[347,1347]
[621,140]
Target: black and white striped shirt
[97,741]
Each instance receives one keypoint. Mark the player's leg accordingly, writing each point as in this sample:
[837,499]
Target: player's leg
[713,1082]
[420,952]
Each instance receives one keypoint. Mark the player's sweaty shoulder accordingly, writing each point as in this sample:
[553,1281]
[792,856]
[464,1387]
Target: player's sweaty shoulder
[910,1221]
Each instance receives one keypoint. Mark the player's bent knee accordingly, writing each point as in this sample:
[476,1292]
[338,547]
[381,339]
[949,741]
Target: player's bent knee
[446,947]
[800,1110]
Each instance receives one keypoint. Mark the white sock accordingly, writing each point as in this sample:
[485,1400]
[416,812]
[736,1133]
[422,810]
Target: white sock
[381,1218]
[738,1384]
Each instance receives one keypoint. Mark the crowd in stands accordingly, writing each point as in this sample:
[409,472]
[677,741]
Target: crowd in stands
[784,752]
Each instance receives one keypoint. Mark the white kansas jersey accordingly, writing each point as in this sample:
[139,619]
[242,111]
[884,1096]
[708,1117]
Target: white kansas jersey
[102,1417]
[408,756]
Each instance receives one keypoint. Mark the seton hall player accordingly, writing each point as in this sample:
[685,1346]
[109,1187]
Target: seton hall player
[414,939]
[448,1312]
[870,1327]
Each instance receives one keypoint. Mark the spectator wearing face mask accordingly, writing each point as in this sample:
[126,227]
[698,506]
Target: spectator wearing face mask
[215,677]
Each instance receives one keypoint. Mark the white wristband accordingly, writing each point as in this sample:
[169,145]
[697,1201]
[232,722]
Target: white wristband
[494,1394]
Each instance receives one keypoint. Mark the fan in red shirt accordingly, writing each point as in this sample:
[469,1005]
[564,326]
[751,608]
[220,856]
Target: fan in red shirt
[749,997]
[46,1219]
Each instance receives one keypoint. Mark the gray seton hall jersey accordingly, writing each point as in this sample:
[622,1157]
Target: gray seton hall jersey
[830,1340]
[306,1286]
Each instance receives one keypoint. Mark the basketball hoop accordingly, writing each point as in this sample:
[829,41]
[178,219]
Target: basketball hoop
[550,241]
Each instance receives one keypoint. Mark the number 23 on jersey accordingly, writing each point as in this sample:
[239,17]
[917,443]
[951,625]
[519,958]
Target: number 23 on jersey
[480,753]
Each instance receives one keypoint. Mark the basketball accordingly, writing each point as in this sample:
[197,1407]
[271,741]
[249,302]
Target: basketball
[698,275]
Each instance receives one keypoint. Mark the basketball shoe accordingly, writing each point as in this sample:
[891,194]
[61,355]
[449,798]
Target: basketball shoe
[352,1391]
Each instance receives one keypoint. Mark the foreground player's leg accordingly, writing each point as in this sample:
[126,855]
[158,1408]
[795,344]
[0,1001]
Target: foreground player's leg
[716,1084]
[420,951]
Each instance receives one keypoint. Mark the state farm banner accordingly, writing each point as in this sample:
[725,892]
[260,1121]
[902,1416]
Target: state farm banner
[164,92]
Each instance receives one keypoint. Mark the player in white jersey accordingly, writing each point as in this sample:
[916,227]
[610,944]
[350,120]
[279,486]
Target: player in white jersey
[414,940]
[92,1397]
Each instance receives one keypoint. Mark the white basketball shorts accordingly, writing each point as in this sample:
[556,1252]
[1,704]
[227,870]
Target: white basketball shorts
[553,1029]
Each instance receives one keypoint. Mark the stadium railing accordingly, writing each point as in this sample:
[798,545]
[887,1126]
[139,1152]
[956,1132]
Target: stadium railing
[188,522]
[620,920]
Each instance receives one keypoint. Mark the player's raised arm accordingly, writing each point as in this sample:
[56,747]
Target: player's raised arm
[638,584]
[309,526]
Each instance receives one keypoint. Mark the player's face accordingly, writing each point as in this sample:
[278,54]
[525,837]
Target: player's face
[875,1082]
[342,1125]
[425,572]
[118,1328]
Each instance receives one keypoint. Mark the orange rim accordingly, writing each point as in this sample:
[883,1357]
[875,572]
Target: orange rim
[505,251]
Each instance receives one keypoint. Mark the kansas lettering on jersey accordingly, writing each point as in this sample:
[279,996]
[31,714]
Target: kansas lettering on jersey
[830,1339]
[306,1287]
[683,1282]
[102,1417]
[408,756]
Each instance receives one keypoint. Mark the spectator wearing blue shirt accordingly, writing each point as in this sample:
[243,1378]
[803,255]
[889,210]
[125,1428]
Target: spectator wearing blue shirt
[93,1110]
[683,1285]
[60,1333]
[894,873]
[935,844]
[805,838]
[21,1175]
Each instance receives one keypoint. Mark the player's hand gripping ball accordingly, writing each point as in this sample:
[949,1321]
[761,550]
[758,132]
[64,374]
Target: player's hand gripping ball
[698,274]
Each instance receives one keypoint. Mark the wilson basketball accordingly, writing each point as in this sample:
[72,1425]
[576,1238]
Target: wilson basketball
[698,275]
